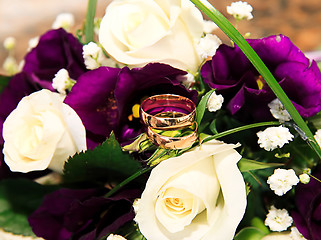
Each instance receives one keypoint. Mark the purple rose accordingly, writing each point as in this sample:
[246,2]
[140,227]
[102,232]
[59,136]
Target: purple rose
[83,213]
[103,98]
[245,91]
[307,216]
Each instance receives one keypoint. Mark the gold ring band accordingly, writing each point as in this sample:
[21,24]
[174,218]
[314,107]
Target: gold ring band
[172,142]
[167,111]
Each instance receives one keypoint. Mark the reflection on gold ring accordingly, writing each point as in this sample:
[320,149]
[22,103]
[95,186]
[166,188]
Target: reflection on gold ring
[172,142]
[167,111]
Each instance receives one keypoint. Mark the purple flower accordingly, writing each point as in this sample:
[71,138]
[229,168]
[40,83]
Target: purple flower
[84,214]
[56,49]
[246,92]
[307,216]
[103,98]
[93,100]
[134,85]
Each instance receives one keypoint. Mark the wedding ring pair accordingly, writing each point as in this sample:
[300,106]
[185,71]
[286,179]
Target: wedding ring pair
[166,115]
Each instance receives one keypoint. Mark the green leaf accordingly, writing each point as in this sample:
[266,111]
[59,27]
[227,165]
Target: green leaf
[200,109]
[213,127]
[250,233]
[4,80]
[18,199]
[105,163]
[224,24]
[248,165]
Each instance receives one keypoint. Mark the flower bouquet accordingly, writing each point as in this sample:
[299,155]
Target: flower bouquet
[144,125]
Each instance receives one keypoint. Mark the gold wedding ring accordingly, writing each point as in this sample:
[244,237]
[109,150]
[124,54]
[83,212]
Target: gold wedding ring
[169,114]
[167,111]
[172,142]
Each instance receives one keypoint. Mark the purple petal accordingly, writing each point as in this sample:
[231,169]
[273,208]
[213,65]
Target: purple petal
[47,220]
[92,98]
[229,71]
[282,48]
[56,49]
[135,85]
[306,94]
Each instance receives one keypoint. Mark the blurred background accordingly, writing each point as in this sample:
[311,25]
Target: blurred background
[298,19]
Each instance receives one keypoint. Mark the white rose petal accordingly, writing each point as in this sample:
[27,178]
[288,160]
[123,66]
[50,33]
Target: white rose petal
[278,219]
[136,205]
[274,137]
[139,32]
[282,180]
[240,10]
[215,102]
[198,195]
[42,132]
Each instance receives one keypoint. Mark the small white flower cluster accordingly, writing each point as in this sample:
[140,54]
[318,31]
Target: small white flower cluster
[9,43]
[215,102]
[94,57]
[10,64]
[240,10]
[278,220]
[207,45]
[304,178]
[64,20]
[274,137]
[187,80]
[115,237]
[209,26]
[296,235]
[61,82]
[282,180]
[33,42]
[278,111]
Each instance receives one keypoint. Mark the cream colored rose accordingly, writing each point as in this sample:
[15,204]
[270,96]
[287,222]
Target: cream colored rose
[198,195]
[138,32]
[42,132]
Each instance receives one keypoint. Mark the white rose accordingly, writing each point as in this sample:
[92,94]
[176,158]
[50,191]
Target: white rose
[198,195]
[139,32]
[42,132]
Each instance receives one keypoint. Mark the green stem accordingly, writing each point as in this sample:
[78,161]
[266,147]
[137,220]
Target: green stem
[90,18]
[238,39]
[242,128]
[126,181]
